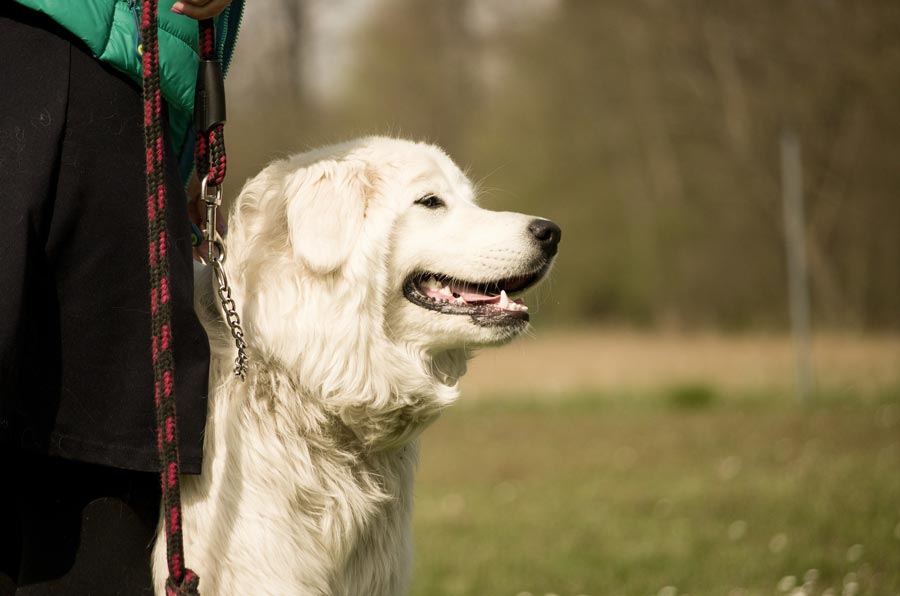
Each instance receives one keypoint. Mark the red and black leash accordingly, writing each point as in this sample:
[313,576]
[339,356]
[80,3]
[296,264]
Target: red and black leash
[210,158]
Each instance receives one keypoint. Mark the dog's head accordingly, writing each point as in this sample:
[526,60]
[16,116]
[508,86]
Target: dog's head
[457,270]
[391,227]
[374,252]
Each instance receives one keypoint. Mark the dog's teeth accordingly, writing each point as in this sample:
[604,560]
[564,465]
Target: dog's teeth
[445,291]
[504,300]
[459,300]
[432,283]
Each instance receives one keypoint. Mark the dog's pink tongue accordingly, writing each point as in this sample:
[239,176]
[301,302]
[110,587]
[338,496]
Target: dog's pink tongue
[464,292]
[470,295]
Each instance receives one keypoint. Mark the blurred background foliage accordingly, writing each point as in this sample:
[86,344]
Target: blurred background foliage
[648,129]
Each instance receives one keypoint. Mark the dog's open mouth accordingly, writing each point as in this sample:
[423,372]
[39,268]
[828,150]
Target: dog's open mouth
[489,302]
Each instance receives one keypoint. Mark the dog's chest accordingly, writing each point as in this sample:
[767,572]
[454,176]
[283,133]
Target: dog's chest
[338,529]
[378,545]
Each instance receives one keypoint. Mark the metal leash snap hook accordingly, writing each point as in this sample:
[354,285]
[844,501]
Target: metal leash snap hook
[212,196]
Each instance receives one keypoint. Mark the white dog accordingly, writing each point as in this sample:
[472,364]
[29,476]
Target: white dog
[365,275]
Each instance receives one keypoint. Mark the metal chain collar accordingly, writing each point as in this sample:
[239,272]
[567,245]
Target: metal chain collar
[212,196]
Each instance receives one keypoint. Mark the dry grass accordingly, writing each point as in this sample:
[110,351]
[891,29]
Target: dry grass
[560,362]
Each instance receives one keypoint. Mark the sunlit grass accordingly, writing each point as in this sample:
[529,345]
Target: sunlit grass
[679,491]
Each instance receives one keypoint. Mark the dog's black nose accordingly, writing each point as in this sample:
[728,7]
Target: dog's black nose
[547,235]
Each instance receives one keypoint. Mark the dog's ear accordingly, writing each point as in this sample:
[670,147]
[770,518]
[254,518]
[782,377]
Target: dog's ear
[326,206]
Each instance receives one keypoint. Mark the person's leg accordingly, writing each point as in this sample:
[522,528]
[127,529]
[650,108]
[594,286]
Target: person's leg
[10,527]
[86,529]
[34,73]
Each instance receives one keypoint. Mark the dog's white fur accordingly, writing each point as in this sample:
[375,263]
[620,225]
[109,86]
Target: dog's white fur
[306,487]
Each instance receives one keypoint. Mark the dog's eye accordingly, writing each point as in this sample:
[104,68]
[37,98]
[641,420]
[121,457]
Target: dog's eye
[431,202]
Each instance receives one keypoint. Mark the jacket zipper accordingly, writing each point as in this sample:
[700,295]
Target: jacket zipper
[229,32]
[135,11]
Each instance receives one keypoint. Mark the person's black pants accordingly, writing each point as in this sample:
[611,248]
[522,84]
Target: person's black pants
[76,370]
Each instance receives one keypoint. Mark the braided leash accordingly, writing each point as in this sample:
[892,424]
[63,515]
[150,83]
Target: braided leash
[181,581]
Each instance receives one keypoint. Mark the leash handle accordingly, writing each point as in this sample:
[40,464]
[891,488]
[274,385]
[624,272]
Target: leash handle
[209,97]
[209,110]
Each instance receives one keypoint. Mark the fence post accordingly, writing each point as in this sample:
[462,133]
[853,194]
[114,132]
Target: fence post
[795,241]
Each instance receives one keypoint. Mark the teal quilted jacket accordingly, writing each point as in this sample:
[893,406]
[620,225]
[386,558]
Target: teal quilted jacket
[110,30]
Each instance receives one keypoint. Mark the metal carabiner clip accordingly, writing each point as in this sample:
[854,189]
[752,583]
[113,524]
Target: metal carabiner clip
[210,233]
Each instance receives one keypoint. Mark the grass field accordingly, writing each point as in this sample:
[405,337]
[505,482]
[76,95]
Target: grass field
[670,489]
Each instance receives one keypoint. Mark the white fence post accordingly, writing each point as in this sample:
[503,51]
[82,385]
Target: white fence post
[795,239]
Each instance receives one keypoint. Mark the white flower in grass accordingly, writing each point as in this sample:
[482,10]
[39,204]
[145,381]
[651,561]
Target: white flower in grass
[668,591]
[453,505]
[801,591]
[855,553]
[778,543]
[737,530]
[850,589]
[786,583]
[729,467]
[811,576]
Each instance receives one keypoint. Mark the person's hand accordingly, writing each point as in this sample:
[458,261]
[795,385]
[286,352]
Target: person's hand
[200,9]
